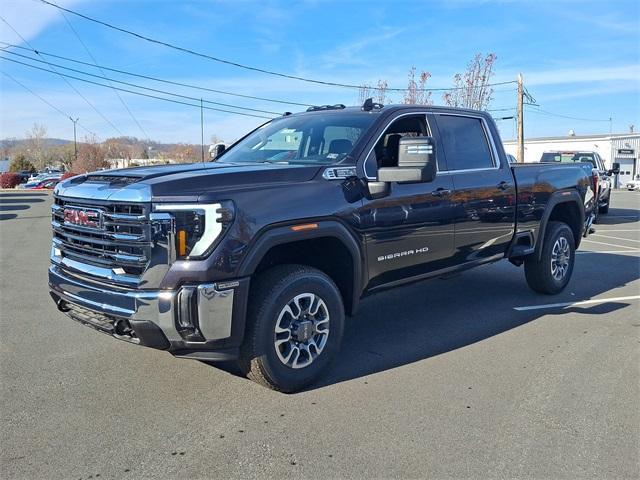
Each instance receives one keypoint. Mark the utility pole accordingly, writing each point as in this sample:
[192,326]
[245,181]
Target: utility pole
[75,141]
[520,120]
[202,130]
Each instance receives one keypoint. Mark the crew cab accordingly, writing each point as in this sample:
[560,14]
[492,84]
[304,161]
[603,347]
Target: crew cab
[602,177]
[260,256]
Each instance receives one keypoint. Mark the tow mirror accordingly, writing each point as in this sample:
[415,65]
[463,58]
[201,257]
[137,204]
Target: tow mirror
[416,162]
[218,150]
[615,169]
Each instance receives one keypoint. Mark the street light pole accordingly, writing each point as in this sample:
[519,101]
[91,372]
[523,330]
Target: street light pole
[75,141]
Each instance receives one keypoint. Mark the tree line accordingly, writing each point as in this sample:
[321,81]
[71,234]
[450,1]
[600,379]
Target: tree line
[36,152]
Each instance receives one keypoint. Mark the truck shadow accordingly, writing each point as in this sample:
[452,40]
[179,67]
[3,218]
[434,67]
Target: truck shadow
[617,216]
[434,317]
[15,202]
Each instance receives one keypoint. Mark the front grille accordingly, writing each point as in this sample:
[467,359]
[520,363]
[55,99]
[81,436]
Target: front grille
[121,240]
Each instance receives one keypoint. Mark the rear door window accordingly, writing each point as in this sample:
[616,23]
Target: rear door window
[465,142]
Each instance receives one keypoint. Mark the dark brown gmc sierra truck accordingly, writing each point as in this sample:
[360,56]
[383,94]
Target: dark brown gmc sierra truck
[259,256]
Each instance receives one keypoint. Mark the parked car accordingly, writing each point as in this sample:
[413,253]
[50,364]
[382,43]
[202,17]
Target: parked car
[602,177]
[46,173]
[24,176]
[33,183]
[511,158]
[258,256]
[633,184]
[46,184]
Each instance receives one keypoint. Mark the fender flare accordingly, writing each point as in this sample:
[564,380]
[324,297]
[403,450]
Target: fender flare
[557,198]
[272,236]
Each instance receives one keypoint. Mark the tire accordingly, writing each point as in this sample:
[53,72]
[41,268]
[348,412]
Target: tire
[551,274]
[605,208]
[280,297]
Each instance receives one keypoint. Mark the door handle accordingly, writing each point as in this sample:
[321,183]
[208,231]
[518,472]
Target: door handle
[503,185]
[440,192]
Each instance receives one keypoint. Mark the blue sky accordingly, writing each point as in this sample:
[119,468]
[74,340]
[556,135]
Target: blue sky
[579,58]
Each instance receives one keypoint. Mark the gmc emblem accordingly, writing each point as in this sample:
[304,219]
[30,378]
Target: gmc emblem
[81,217]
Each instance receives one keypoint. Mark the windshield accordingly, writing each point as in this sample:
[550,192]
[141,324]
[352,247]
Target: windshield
[569,157]
[317,139]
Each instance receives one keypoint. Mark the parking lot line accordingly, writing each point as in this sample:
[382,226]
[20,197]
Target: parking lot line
[574,304]
[608,244]
[608,251]
[617,238]
[615,230]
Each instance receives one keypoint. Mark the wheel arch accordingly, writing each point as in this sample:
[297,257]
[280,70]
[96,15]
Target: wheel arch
[327,245]
[567,207]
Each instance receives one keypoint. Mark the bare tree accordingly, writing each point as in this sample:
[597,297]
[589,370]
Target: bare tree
[36,145]
[415,93]
[377,92]
[472,89]
[61,155]
[216,139]
[90,157]
[184,153]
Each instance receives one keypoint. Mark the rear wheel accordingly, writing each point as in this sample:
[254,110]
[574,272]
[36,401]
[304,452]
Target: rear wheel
[552,272]
[295,324]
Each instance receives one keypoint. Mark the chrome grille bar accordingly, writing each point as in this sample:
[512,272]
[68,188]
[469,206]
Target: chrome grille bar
[121,242]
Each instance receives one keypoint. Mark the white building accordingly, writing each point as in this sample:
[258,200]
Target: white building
[620,148]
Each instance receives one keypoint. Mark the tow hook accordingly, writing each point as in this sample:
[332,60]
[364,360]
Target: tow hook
[62,305]
[122,327]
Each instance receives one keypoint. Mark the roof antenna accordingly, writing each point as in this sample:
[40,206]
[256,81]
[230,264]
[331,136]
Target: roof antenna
[369,105]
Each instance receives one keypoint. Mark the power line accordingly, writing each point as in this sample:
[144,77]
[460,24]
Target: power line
[156,79]
[66,81]
[134,92]
[46,101]
[545,112]
[240,65]
[164,92]
[126,107]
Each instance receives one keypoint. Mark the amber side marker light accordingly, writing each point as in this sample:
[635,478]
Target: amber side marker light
[182,243]
[305,226]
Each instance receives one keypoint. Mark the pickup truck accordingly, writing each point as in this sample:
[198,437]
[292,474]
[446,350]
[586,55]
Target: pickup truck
[259,256]
[602,177]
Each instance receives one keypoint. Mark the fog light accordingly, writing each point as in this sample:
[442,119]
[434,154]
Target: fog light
[187,315]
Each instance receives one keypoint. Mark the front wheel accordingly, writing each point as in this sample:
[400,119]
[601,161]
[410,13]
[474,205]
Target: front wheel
[551,273]
[294,327]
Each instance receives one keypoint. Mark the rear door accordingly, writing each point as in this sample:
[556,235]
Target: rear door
[484,188]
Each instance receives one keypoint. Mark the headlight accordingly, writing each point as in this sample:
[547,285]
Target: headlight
[196,227]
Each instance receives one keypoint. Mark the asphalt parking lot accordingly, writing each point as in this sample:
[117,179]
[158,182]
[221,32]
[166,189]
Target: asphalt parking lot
[473,376]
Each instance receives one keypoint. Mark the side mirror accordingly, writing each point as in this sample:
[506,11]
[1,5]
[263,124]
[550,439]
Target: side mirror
[218,150]
[615,170]
[416,162]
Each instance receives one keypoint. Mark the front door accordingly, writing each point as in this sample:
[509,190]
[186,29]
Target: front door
[408,232]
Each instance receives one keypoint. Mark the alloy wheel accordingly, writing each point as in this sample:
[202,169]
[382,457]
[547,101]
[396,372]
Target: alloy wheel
[301,330]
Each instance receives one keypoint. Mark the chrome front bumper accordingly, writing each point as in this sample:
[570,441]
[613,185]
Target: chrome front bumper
[189,321]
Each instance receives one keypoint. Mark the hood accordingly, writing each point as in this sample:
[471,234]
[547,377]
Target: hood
[181,182]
